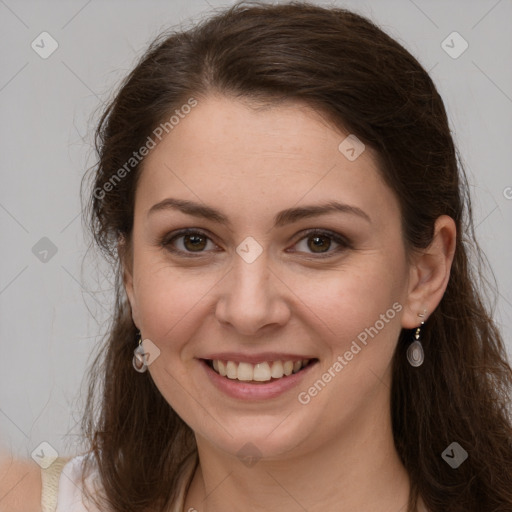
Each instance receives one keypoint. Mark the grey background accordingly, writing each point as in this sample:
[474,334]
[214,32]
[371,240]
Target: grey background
[53,312]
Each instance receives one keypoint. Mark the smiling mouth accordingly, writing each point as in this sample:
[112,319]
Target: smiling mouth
[266,371]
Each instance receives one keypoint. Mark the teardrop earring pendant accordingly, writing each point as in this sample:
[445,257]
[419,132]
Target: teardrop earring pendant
[415,353]
[139,358]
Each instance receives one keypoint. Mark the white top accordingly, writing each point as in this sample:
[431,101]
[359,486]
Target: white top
[62,486]
[70,497]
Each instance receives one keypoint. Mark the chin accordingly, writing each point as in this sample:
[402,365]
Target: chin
[269,438]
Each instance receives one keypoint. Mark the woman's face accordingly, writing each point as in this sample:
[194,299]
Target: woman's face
[267,279]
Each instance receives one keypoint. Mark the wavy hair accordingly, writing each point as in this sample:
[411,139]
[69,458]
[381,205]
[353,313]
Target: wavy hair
[365,83]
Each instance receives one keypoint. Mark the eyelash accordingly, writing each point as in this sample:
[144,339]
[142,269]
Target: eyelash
[343,243]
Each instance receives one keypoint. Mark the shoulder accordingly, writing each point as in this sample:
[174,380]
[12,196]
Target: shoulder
[81,482]
[20,485]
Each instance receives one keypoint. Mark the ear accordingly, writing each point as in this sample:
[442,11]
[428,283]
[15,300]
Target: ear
[429,273]
[124,250]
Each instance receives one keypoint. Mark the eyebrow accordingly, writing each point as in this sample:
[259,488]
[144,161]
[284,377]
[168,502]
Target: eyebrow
[283,218]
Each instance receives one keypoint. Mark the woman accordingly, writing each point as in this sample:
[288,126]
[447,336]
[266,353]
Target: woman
[297,326]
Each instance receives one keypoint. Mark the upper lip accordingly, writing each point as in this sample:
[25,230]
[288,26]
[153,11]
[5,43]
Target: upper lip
[256,358]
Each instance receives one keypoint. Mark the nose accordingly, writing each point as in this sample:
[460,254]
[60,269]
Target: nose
[253,299]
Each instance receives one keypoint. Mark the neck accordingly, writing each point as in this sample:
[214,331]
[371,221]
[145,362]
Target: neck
[360,471]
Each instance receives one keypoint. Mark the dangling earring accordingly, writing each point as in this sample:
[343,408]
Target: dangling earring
[415,354]
[139,357]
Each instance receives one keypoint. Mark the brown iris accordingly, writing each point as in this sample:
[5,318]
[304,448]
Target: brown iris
[317,243]
[194,242]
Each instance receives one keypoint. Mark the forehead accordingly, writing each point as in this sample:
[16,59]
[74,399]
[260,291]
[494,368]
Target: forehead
[228,152]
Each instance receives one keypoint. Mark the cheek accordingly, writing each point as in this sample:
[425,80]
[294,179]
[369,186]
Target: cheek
[361,303]
[360,323]
[170,300]
[163,304]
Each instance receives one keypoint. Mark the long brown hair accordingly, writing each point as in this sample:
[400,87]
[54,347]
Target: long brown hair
[367,84]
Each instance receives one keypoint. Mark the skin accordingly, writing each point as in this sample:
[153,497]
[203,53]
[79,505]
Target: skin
[337,452]
[20,483]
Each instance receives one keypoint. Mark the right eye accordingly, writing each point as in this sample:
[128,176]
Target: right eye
[187,242]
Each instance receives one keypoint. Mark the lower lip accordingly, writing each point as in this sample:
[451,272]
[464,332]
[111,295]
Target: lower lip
[260,391]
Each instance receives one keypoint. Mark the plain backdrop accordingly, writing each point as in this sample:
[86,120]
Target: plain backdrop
[53,303]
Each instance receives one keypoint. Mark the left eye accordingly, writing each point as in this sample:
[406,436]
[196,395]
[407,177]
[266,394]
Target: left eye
[319,242]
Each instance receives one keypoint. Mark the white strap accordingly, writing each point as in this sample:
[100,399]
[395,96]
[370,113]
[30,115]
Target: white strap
[50,484]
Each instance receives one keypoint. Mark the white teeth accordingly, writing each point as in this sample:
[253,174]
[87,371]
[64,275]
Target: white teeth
[222,367]
[288,367]
[232,370]
[260,372]
[277,370]
[245,371]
